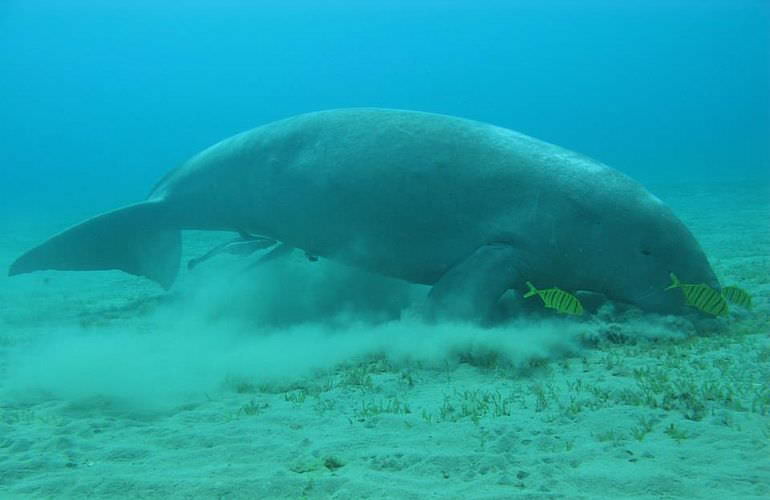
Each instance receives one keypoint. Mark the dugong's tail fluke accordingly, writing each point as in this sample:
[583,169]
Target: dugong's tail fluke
[133,239]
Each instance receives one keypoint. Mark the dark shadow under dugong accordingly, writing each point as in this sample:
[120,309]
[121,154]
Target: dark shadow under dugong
[466,207]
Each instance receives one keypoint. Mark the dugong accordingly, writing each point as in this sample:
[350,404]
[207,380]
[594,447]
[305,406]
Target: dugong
[466,207]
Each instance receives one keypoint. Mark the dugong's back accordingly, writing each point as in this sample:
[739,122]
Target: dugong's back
[405,193]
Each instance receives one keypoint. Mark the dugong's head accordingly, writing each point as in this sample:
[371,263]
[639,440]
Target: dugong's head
[652,243]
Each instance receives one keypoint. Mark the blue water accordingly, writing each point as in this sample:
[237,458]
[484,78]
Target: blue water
[100,98]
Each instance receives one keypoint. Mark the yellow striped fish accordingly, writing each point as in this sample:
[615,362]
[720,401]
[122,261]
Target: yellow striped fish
[737,296]
[701,297]
[556,298]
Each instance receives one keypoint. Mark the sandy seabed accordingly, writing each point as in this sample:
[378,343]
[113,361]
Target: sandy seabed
[294,381]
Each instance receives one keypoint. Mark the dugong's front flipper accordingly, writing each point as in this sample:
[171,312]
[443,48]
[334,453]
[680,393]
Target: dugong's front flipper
[245,244]
[470,289]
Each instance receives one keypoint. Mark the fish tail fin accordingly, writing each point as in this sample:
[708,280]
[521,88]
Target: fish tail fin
[133,239]
[532,290]
[675,283]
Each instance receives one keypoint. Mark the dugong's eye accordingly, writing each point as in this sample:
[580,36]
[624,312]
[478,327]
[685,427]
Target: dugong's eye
[645,251]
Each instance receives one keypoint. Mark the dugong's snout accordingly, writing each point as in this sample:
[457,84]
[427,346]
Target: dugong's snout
[664,246]
[658,297]
[691,266]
